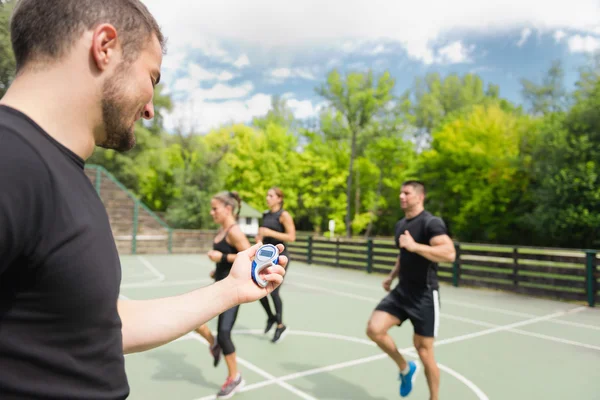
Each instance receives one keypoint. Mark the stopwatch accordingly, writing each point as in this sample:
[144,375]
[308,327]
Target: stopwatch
[266,256]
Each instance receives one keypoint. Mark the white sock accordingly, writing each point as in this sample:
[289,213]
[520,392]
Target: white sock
[406,370]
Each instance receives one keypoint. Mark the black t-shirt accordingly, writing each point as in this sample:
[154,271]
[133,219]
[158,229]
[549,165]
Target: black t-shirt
[271,221]
[60,331]
[416,271]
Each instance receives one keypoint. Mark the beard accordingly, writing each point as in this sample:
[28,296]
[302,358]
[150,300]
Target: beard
[116,114]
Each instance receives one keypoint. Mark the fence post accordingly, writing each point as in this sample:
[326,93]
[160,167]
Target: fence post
[369,255]
[337,252]
[515,266]
[136,207]
[98,180]
[590,258]
[170,245]
[456,266]
[309,250]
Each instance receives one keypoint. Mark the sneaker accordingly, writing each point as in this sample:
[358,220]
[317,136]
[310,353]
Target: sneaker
[215,351]
[270,322]
[279,334]
[230,387]
[407,381]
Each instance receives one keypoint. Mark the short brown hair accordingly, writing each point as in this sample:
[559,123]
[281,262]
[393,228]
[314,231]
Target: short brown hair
[417,185]
[44,30]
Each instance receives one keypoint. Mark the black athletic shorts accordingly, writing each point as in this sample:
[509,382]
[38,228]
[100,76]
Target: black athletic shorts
[421,307]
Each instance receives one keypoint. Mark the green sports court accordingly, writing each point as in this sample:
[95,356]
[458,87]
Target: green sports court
[491,345]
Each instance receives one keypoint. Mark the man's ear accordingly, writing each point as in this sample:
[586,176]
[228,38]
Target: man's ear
[105,46]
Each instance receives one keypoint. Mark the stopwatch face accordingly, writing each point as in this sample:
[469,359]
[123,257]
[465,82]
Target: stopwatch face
[266,253]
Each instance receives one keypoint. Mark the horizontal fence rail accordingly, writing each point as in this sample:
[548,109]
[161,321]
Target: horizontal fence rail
[557,273]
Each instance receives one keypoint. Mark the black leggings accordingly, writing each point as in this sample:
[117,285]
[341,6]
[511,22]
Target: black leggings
[225,325]
[278,305]
[277,301]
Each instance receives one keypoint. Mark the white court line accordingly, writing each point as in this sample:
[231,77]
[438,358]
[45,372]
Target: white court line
[248,365]
[478,392]
[261,372]
[476,322]
[159,275]
[449,301]
[525,333]
[409,350]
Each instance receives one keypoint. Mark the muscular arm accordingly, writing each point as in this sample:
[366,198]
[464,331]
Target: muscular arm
[396,269]
[440,249]
[147,324]
[151,323]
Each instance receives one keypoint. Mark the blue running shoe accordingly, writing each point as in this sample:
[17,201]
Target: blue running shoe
[406,381]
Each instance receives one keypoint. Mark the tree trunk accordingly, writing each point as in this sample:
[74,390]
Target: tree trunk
[375,207]
[357,194]
[349,185]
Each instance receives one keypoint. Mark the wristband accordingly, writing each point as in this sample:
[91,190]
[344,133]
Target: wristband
[224,258]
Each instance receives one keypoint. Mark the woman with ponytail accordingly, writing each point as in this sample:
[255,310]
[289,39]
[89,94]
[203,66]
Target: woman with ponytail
[225,210]
[277,227]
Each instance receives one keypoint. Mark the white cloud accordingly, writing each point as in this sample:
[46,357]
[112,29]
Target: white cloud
[303,108]
[242,61]
[559,35]
[525,33]
[200,116]
[455,53]
[285,73]
[210,47]
[184,84]
[415,25]
[379,49]
[196,75]
[583,44]
[221,91]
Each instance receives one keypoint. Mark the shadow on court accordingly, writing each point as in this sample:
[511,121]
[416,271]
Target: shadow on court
[328,385]
[173,367]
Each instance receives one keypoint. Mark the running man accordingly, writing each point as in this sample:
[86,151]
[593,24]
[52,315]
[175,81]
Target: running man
[423,241]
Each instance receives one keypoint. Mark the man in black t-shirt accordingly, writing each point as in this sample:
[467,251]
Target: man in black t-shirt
[86,71]
[423,241]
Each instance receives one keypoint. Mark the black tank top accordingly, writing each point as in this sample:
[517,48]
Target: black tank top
[223,268]
[271,221]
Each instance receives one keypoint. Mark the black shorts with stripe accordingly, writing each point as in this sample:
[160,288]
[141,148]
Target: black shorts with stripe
[421,307]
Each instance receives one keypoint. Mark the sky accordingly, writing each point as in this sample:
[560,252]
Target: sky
[226,59]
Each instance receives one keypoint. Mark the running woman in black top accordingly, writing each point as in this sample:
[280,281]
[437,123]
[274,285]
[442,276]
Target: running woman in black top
[225,209]
[277,227]
[422,241]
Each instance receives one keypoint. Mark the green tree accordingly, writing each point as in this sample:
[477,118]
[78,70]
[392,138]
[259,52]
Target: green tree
[357,98]
[256,160]
[432,99]
[475,174]
[321,184]
[550,95]
[567,193]
[567,161]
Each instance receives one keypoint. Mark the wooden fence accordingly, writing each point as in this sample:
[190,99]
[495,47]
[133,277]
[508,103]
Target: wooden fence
[556,273]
